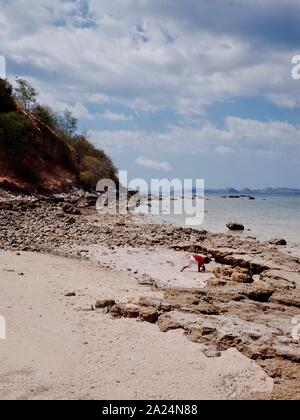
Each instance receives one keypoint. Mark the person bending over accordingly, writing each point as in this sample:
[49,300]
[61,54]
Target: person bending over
[199,260]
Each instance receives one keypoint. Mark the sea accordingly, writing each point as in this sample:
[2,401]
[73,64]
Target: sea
[266,217]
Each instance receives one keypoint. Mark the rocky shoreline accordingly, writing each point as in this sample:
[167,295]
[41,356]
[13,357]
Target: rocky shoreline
[250,302]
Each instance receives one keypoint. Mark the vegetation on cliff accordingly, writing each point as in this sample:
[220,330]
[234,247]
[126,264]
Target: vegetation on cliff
[41,150]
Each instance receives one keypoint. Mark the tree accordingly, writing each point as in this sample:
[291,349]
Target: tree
[68,123]
[25,93]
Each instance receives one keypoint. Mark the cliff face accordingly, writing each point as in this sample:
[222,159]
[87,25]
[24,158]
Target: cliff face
[35,158]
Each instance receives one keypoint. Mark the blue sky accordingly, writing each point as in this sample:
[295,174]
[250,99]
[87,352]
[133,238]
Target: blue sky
[169,88]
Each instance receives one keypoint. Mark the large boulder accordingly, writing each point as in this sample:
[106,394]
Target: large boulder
[241,275]
[276,241]
[235,226]
[223,272]
[236,274]
[105,303]
[91,199]
[149,314]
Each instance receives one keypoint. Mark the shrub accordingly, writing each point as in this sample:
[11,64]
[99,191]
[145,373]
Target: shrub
[6,101]
[91,171]
[5,88]
[93,164]
[82,148]
[15,134]
[46,115]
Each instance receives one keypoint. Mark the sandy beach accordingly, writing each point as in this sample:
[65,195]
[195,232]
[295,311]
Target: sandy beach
[58,348]
[149,202]
[96,308]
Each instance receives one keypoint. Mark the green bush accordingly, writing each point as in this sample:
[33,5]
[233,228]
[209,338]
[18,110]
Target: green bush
[92,170]
[5,88]
[45,115]
[15,134]
[93,164]
[6,102]
[82,147]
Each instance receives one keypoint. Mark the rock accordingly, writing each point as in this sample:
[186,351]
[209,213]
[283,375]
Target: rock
[223,272]
[235,226]
[131,311]
[225,331]
[212,352]
[260,291]
[71,221]
[283,299]
[289,352]
[147,280]
[167,322]
[121,224]
[201,308]
[279,242]
[236,274]
[149,314]
[282,279]
[241,275]
[70,294]
[91,199]
[104,303]
[70,209]
[151,301]
[6,205]
[116,310]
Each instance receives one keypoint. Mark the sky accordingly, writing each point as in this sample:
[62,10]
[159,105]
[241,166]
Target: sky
[169,88]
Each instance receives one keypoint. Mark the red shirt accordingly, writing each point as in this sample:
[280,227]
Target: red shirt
[199,259]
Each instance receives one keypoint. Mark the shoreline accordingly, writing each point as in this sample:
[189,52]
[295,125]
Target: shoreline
[58,348]
[216,310]
[218,211]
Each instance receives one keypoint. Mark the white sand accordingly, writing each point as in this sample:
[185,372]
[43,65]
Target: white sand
[163,265]
[54,350]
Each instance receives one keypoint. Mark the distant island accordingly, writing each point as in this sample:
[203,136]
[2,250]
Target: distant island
[249,191]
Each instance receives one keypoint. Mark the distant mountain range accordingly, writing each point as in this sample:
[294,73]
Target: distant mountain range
[249,191]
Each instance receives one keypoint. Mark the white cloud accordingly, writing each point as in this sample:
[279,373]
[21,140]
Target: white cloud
[283,100]
[223,150]
[272,139]
[153,164]
[148,55]
[113,116]
[79,110]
